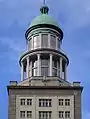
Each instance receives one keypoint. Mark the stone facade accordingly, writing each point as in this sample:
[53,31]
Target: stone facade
[36,92]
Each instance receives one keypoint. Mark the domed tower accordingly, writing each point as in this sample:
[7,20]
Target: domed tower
[44,92]
[44,57]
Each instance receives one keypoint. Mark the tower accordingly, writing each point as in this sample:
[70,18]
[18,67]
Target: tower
[44,92]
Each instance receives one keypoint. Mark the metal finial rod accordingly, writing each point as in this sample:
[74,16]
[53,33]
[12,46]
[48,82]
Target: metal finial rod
[44,2]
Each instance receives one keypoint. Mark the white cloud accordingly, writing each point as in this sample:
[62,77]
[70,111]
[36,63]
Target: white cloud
[16,47]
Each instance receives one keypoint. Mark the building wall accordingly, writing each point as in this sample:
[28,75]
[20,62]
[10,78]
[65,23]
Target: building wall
[55,108]
[35,94]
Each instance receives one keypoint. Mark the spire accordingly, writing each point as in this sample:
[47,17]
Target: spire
[44,2]
[44,9]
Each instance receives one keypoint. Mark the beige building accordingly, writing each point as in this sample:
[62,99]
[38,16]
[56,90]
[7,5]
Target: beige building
[44,92]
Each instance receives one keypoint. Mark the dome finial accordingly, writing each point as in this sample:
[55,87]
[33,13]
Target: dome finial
[44,2]
[44,9]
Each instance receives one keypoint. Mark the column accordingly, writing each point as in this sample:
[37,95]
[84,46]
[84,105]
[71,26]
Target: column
[22,71]
[60,67]
[49,39]
[51,64]
[30,68]
[38,67]
[65,72]
[27,68]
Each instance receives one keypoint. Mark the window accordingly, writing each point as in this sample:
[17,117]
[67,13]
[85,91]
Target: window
[67,102]
[30,44]
[45,114]
[22,101]
[34,68]
[45,102]
[61,114]
[53,42]
[58,44]
[54,72]
[44,67]
[54,63]
[22,114]
[29,101]
[61,102]
[36,42]
[44,40]
[29,114]
[67,114]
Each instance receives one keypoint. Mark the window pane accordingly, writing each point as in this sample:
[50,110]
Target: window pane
[36,42]
[45,40]
[45,114]
[67,102]
[29,101]
[22,114]
[53,42]
[54,72]
[61,102]
[58,44]
[67,114]
[54,63]
[22,101]
[45,102]
[44,62]
[61,114]
[29,114]
[44,71]
[30,44]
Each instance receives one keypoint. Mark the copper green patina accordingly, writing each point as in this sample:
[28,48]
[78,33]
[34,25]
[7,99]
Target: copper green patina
[44,18]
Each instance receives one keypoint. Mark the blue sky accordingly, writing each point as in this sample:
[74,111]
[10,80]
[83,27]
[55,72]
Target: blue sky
[73,17]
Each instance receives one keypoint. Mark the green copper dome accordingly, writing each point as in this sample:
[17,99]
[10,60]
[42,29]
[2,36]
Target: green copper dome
[44,18]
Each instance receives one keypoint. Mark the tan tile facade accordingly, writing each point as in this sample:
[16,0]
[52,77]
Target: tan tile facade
[15,94]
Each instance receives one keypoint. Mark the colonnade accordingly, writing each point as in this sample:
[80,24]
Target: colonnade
[29,67]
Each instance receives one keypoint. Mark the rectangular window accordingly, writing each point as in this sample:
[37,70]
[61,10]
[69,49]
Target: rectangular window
[29,114]
[29,101]
[67,114]
[22,102]
[61,102]
[30,44]
[44,71]
[53,42]
[61,114]
[45,102]
[44,40]
[67,102]
[36,42]
[45,114]
[58,44]
[22,114]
